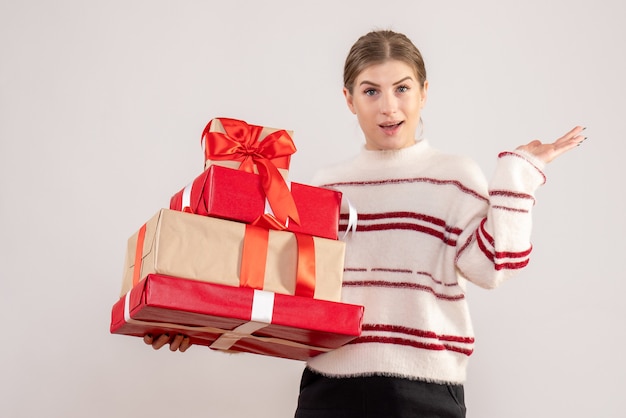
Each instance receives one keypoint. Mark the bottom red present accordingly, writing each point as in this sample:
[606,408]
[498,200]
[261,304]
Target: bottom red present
[236,318]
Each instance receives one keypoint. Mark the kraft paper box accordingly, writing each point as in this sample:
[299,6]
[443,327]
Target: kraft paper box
[232,143]
[209,249]
[236,319]
[236,195]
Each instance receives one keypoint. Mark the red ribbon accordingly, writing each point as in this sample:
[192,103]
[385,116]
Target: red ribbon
[141,236]
[241,142]
[254,255]
[305,276]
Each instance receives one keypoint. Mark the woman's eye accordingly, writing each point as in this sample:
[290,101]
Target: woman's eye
[370,92]
[403,89]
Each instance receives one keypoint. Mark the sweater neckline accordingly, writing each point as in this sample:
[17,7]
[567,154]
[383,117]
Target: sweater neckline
[417,150]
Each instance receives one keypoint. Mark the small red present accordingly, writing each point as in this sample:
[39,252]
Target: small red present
[254,149]
[236,195]
[236,319]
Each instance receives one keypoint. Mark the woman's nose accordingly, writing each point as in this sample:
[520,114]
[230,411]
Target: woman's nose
[388,104]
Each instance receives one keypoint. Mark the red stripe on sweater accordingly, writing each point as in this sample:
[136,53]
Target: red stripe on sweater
[420,216]
[514,254]
[388,270]
[512,266]
[411,215]
[406,271]
[516,195]
[411,343]
[506,208]
[397,341]
[465,351]
[485,233]
[416,332]
[429,180]
[483,248]
[508,193]
[503,254]
[464,247]
[439,282]
[407,227]
[401,285]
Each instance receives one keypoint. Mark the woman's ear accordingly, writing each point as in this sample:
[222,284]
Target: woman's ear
[349,100]
[424,94]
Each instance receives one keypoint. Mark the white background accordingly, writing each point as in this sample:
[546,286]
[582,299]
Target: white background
[101,109]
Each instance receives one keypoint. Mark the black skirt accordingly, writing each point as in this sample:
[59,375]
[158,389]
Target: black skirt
[377,397]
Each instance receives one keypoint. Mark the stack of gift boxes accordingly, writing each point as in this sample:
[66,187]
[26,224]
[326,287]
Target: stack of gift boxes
[242,260]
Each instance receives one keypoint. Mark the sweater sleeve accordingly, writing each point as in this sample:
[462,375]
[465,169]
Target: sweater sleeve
[496,245]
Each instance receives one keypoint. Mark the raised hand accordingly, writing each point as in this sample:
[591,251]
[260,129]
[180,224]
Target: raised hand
[548,152]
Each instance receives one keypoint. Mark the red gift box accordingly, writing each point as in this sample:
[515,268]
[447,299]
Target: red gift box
[236,319]
[236,195]
[254,149]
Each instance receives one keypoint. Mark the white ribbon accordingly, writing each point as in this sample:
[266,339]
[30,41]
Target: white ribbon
[352,218]
[268,208]
[262,310]
[262,306]
[186,199]
[352,214]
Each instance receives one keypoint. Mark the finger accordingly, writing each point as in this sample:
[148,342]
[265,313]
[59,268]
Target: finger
[161,341]
[148,339]
[568,145]
[184,345]
[574,132]
[176,342]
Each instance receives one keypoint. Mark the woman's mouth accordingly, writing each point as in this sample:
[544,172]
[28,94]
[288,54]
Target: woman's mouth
[390,127]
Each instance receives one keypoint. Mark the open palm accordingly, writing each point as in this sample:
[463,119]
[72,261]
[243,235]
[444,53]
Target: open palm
[548,152]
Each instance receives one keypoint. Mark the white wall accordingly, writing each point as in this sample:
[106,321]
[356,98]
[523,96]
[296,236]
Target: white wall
[101,109]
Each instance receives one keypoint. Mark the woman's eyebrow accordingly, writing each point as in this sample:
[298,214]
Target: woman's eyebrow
[371,83]
[403,80]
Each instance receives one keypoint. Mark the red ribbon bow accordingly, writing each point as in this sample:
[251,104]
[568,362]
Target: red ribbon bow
[240,142]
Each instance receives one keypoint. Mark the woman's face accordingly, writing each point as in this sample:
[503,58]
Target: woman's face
[387,99]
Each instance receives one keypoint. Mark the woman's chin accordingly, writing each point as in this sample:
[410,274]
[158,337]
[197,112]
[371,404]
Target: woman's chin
[389,144]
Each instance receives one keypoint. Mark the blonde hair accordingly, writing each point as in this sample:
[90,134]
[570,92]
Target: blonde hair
[377,47]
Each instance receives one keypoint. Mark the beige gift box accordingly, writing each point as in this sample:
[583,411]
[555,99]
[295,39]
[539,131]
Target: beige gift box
[190,246]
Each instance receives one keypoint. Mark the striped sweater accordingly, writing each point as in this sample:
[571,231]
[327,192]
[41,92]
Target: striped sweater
[428,222]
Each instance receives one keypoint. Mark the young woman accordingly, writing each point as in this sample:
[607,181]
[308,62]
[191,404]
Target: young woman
[427,223]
